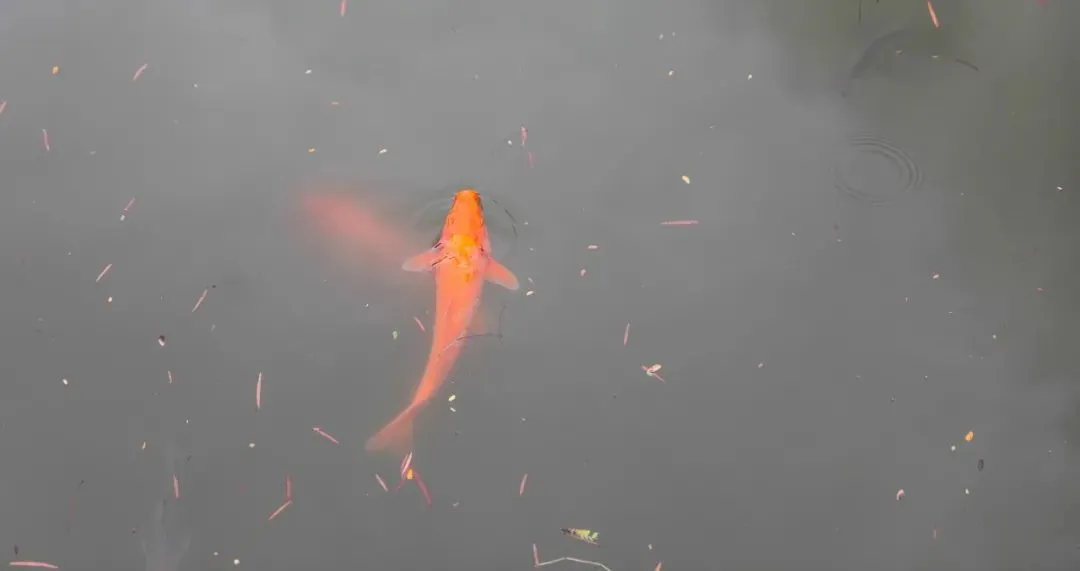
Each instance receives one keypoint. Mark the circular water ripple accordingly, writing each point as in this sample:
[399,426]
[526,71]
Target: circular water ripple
[501,225]
[875,171]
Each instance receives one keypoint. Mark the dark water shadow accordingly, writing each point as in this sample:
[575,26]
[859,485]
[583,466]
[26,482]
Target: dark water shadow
[910,55]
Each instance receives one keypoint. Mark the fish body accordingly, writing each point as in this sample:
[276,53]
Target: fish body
[461,262]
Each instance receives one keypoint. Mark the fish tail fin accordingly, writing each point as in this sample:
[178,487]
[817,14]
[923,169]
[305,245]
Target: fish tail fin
[395,437]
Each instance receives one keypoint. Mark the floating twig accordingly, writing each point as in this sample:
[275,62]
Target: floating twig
[538,563]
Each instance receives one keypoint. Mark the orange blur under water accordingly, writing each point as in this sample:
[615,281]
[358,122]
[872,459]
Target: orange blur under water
[460,261]
[353,221]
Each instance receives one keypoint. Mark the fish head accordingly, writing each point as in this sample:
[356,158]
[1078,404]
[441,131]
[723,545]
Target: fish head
[464,236]
[466,216]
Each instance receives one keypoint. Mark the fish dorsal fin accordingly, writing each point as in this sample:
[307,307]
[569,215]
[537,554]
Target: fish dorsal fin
[422,261]
[499,274]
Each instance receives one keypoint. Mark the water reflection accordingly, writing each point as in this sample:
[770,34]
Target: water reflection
[161,550]
[163,547]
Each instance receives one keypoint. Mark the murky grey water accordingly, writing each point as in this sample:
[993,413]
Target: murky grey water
[882,262]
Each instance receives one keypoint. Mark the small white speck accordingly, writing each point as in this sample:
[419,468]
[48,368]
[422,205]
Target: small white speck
[1060,189]
[382,151]
[967,492]
[235,561]
[65,381]
[670,73]
[251,445]
[994,336]
[307,72]
[761,364]
[952,448]
[749,77]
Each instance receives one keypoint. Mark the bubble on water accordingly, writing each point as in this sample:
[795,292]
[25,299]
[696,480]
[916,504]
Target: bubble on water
[873,170]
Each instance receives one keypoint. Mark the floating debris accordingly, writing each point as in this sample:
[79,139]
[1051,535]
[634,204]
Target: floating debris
[40,564]
[279,510]
[199,301]
[587,535]
[651,371]
[127,209]
[538,563]
[258,393]
[103,272]
[324,434]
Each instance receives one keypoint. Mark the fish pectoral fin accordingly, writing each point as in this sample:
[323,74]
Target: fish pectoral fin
[422,261]
[499,274]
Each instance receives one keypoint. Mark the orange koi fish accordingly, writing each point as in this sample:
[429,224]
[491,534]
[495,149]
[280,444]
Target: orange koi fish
[461,261]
